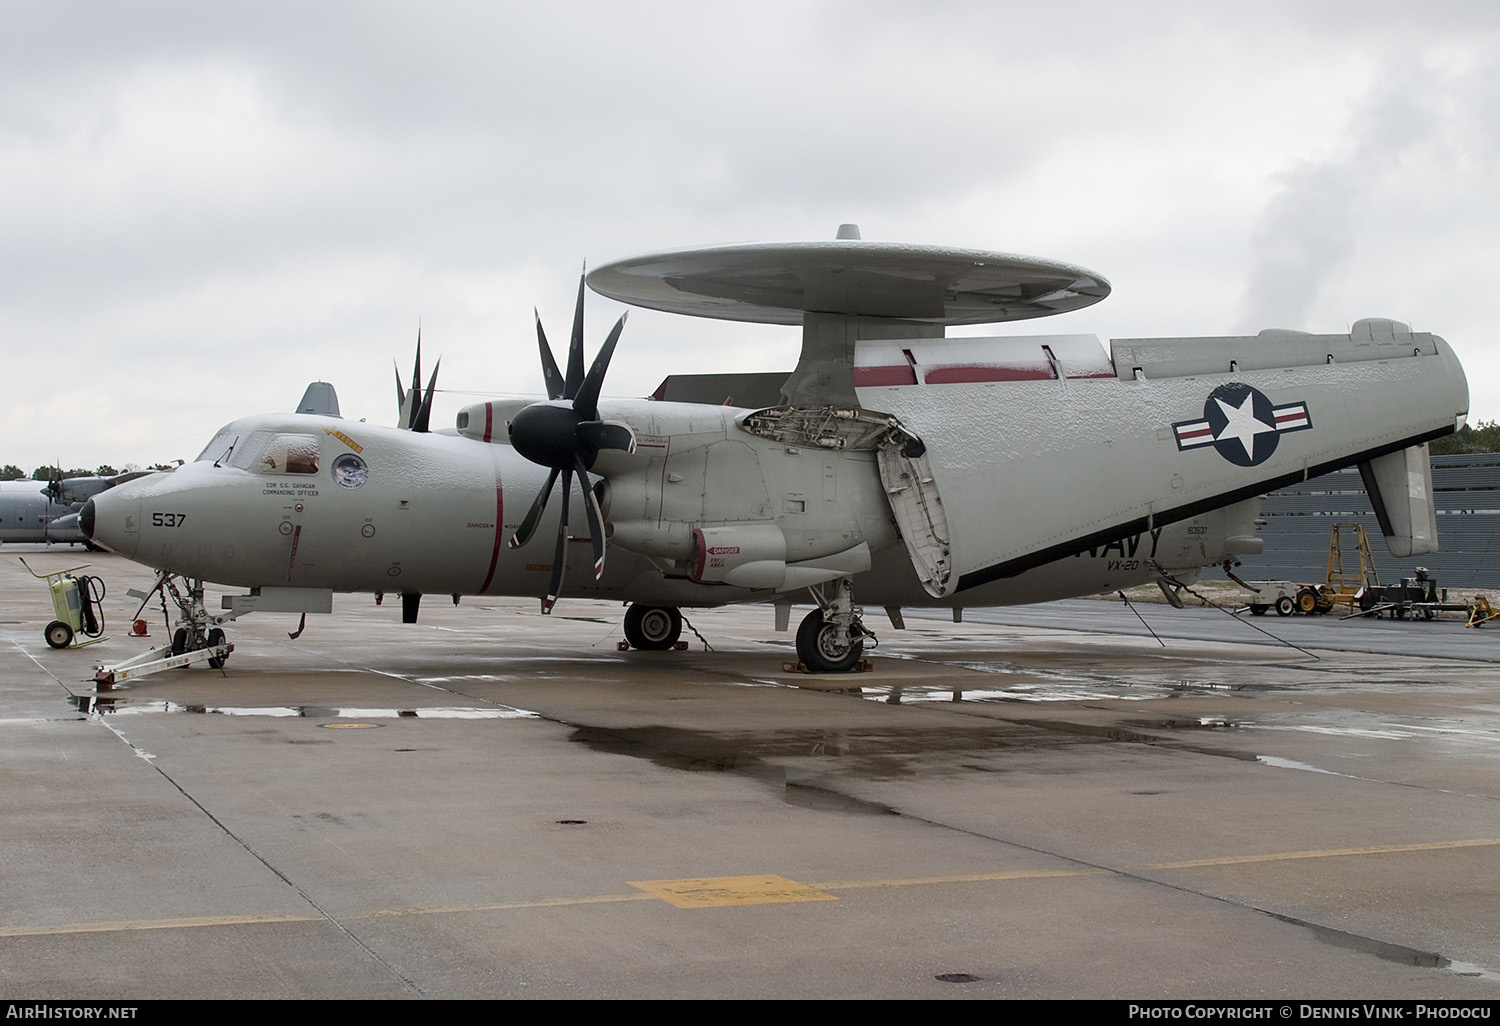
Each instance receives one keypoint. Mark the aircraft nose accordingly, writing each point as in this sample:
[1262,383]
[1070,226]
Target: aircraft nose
[109,519]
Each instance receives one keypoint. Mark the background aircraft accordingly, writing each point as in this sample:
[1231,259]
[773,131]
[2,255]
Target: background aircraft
[896,466]
[29,514]
[47,511]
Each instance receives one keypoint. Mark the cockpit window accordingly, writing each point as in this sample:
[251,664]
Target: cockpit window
[288,454]
[220,449]
[264,452]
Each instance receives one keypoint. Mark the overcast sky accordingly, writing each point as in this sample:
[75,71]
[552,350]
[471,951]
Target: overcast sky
[204,206]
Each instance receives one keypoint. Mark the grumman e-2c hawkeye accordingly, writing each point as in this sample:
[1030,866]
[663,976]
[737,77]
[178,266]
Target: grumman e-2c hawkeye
[895,467]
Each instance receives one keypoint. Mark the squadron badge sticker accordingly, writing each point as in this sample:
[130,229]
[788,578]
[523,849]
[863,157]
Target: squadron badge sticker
[1240,422]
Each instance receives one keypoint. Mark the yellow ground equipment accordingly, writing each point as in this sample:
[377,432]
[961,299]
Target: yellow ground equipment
[1481,612]
[1341,587]
[76,602]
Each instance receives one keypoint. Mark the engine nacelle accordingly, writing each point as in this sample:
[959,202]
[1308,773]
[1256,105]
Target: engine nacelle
[743,555]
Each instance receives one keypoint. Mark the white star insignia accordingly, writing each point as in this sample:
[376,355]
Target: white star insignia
[1243,424]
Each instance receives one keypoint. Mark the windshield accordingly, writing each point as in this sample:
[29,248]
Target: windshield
[264,452]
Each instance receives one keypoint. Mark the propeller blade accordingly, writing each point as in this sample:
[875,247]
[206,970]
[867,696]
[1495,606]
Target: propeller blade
[534,514]
[575,348]
[586,399]
[594,435]
[550,374]
[559,556]
[596,517]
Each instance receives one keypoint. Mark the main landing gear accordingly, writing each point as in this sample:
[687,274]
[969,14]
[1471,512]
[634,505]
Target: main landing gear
[652,628]
[831,639]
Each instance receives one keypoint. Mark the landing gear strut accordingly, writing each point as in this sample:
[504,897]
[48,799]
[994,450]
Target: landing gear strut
[831,638]
[196,637]
[652,628]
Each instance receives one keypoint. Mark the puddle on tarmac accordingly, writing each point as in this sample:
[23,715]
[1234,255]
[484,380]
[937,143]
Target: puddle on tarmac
[117,706]
[875,754]
[1038,684]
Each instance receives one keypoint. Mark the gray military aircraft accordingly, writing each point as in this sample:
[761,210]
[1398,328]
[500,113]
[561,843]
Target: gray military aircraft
[894,465]
[28,513]
[38,511]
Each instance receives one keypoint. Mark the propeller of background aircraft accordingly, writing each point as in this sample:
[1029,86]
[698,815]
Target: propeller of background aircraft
[565,434]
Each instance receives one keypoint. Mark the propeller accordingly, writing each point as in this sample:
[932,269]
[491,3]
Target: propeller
[565,434]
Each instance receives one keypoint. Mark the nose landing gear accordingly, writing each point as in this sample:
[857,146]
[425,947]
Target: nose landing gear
[196,637]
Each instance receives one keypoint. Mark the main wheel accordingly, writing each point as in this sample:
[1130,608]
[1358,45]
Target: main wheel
[215,639]
[652,628]
[825,647]
[58,634]
[1285,606]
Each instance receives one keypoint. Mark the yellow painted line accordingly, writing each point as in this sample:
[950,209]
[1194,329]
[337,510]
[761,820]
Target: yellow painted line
[1324,853]
[722,891]
[186,923]
[917,881]
[710,892]
[501,906]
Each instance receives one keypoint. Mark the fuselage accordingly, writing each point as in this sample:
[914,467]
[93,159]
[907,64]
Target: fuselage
[1046,467]
[285,500]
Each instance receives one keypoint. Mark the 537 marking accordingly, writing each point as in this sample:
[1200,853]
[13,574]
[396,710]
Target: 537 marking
[168,519]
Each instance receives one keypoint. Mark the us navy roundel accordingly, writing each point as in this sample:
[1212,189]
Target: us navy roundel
[1240,422]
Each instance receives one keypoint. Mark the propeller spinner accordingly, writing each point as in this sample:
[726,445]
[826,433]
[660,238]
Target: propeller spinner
[565,434]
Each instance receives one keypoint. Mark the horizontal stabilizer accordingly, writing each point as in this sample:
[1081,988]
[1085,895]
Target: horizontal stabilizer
[752,391]
[1400,489]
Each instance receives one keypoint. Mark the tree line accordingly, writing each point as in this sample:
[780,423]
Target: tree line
[1483,436]
[11,472]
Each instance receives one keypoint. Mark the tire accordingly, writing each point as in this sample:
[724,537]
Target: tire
[1307,601]
[652,628]
[58,634]
[179,641]
[1258,609]
[1285,606]
[823,648]
[215,639]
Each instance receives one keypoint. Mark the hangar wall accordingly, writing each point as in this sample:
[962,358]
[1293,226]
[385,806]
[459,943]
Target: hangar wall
[1300,517]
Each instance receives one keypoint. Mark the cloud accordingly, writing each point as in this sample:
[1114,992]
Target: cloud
[207,205]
